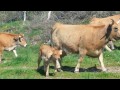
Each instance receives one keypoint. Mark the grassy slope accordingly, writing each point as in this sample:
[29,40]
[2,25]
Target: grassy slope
[25,65]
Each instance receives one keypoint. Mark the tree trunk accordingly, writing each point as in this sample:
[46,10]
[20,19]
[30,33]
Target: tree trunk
[49,15]
[24,17]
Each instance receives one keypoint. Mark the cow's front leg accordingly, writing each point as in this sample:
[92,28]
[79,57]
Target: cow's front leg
[14,51]
[82,54]
[101,62]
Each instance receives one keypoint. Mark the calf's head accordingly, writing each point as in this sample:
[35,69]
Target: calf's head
[56,54]
[20,40]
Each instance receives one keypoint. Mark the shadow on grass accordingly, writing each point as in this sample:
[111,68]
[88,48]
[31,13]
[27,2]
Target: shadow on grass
[71,69]
[41,71]
[117,47]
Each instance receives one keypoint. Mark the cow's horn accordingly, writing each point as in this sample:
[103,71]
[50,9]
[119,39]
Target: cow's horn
[112,22]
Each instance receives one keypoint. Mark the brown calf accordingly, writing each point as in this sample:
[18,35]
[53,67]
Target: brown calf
[10,41]
[48,54]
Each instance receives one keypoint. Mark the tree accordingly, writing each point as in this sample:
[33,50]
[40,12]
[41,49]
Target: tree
[24,17]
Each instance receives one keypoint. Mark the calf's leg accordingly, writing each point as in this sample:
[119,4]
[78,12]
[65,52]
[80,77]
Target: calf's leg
[14,51]
[46,67]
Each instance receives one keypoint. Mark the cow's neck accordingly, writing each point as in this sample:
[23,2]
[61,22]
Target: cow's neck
[107,33]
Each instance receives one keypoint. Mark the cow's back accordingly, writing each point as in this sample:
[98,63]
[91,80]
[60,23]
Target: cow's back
[6,39]
[106,20]
[74,36]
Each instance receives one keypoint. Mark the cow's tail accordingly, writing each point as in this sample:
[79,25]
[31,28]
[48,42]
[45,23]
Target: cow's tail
[39,58]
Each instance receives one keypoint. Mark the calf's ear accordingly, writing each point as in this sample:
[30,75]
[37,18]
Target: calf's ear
[50,54]
[60,51]
[21,35]
[16,38]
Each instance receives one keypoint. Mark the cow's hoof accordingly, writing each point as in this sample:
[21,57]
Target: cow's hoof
[76,71]
[59,70]
[47,77]
[105,70]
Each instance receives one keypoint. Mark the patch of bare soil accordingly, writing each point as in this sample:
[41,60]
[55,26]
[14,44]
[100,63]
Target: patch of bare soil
[112,69]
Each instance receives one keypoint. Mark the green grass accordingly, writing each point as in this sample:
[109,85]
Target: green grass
[25,65]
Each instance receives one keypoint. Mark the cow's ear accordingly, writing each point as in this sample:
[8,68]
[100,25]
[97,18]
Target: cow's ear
[60,51]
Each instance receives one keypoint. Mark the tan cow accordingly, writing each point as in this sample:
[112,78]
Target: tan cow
[10,41]
[106,20]
[48,54]
[85,39]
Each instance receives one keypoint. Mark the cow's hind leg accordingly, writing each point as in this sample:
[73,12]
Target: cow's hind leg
[82,54]
[101,62]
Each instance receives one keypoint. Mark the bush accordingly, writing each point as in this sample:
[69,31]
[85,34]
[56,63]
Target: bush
[36,20]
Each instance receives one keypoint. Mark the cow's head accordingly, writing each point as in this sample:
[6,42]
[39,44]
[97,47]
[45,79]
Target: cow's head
[20,40]
[115,29]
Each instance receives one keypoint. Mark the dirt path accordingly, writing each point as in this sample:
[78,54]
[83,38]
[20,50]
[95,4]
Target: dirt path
[113,69]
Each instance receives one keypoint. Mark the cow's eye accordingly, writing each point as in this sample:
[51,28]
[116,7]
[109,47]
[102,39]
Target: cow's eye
[115,29]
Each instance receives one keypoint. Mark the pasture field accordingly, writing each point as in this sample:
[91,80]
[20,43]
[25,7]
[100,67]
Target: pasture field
[25,65]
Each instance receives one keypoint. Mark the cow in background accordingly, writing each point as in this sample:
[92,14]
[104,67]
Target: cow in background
[106,20]
[10,41]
